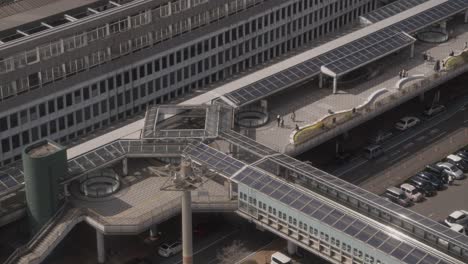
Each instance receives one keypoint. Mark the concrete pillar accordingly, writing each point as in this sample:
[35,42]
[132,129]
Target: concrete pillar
[187,247]
[421,97]
[292,248]
[153,231]
[101,252]
[443,26]
[466,16]
[412,51]
[228,187]
[335,83]
[125,167]
[320,80]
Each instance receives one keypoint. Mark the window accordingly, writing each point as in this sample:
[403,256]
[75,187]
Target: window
[5,145]
[42,110]
[51,105]
[13,120]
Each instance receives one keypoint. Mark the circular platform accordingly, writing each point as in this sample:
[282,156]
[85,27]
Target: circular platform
[432,36]
[100,184]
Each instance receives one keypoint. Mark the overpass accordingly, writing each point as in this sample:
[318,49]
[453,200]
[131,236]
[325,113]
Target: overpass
[318,211]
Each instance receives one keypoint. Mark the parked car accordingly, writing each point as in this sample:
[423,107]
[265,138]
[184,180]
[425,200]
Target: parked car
[430,178]
[380,137]
[438,171]
[463,154]
[460,229]
[457,161]
[373,151]
[422,186]
[411,192]
[451,170]
[434,110]
[169,249]
[280,258]
[457,217]
[397,196]
[407,122]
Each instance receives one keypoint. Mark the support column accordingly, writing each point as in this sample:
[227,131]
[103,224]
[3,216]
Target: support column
[228,187]
[292,248]
[125,167]
[466,16]
[153,231]
[65,190]
[412,51]
[320,80]
[443,26]
[421,97]
[335,80]
[187,247]
[101,252]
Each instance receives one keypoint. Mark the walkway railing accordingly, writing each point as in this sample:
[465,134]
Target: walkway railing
[380,106]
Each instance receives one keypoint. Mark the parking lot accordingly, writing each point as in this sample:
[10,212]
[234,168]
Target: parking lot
[405,152]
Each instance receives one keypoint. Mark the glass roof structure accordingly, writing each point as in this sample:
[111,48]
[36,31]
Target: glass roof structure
[358,53]
[334,217]
[391,10]
[260,174]
[11,178]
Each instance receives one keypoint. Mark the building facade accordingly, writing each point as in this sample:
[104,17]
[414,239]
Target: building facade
[71,74]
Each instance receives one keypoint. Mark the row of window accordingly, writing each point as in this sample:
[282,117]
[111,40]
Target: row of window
[72,67]
[182,74]
[293,224]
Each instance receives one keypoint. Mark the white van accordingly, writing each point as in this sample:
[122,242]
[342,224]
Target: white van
[280,258]
[373,151]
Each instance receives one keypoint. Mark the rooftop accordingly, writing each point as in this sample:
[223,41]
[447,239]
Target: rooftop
[42,149]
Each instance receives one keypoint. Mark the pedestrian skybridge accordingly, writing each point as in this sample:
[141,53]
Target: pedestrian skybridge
[389,31]
[285,195]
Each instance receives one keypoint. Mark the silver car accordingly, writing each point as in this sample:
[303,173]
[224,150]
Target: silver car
[451,170]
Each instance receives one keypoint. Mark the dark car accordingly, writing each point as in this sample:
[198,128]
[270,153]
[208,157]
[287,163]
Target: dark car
[438,171]
[422,186]
[463,154]
[437,183]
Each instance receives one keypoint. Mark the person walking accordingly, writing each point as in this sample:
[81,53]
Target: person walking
[297,127]
[282,122]
[400,73]
[278,119]
[293,116]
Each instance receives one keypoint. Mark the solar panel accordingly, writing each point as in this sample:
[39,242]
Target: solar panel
[392,9]
[214,159]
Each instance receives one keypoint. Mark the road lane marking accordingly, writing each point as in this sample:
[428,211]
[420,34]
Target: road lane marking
[399,157]
[408,145]
[211,244]
[421,138]
[351,168]
[395,153]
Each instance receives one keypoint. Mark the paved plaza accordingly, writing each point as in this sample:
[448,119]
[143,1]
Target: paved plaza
[311,103]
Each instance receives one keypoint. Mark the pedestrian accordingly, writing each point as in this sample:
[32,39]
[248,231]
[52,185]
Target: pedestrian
[278,119]
[282,122]
[466,46]
[450,179]
[425,56]
[406,73]
[400,73]
[297,127]
[451,53]
[293,116]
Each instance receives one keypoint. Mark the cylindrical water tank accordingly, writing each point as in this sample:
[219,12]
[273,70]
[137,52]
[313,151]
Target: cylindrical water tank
[44,163]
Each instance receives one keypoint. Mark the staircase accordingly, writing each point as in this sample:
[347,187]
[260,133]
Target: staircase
[40,246]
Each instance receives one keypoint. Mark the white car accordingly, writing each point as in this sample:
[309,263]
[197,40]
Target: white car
[459,228]
[434,110]
[451,169]
[459,217]
[411,192]
[169,249]
[407,122]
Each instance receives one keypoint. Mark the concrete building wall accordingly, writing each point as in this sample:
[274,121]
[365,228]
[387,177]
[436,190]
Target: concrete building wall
[164,69]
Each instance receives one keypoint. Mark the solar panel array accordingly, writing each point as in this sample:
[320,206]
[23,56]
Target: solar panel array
[11,177]
[430,16]
[363,49]
[215,159]
[372,199]
[392,9]
[333,217]
[94,159]
[383,46]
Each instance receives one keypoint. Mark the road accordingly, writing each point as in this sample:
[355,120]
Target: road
[80,245]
